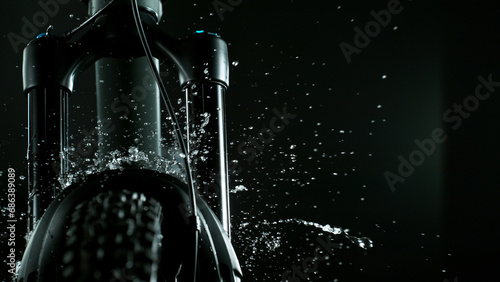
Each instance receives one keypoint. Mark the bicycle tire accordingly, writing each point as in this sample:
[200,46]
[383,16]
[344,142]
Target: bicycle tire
[115,236]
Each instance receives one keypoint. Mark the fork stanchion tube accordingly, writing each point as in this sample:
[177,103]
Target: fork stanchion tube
[204,75]
[207,143]
[47,143]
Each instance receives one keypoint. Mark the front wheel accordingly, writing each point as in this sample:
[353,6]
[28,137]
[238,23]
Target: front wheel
[115,236]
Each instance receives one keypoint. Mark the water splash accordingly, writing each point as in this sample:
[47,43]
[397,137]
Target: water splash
[170,164]
[362,242]
[326,228]
[238,188]
[275,241]
[205,122]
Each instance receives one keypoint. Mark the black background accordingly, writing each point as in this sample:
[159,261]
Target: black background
[353,121]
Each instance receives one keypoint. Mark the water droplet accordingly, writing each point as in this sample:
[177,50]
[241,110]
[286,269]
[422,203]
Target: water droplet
[235,63]
[239,188]
[22,177]
[384,76]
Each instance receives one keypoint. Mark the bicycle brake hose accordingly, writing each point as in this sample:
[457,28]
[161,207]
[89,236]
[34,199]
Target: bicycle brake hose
[71,33]
[177,129]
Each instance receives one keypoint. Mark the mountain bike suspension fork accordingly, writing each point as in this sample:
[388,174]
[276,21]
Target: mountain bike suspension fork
[51,65]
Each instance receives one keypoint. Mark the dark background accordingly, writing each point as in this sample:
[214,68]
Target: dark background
[353,121]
